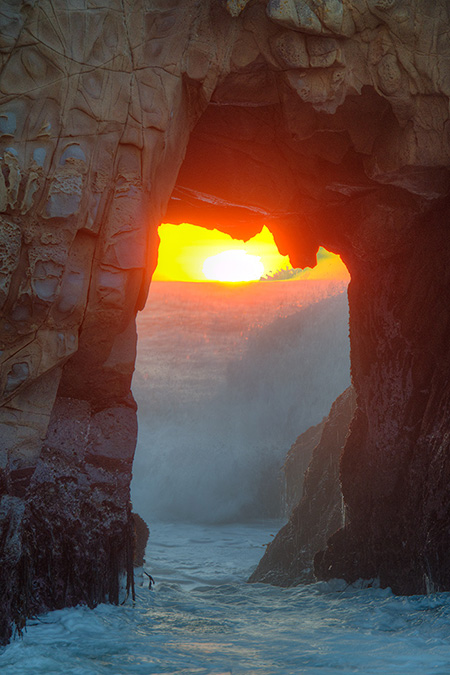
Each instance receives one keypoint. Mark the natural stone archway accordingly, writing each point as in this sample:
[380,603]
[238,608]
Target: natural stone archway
[331,120]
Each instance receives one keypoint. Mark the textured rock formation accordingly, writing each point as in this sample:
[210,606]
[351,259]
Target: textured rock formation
[297,462]
[394,469]
[326,120]
[141,535]
[289,558]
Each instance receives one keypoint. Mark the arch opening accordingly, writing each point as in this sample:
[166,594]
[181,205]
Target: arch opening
[317,178]
[227,376]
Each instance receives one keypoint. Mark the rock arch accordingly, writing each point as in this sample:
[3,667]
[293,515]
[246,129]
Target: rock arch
[333,116]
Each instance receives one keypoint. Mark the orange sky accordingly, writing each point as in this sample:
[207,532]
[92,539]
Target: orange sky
[184,249]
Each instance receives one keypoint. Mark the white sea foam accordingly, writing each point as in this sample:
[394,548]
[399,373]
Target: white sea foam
[202,618]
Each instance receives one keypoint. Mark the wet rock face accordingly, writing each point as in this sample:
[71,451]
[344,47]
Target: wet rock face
[394,468]
[297,462]
[328,121]
[66,527]
[141,535]
[289,558]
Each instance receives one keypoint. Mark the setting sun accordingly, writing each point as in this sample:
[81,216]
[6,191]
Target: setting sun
[193,253]
[185,248]
[233,266]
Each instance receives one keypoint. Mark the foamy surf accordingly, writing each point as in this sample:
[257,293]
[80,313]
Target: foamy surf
[202,618]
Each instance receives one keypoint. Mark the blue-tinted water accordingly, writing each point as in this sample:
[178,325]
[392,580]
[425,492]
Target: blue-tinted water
[202,618]
[202,451]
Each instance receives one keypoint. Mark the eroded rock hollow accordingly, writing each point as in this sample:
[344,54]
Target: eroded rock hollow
[328,121]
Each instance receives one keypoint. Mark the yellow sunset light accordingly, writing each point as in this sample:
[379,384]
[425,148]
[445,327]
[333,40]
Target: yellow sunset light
[192,253]
[329,266]
[184,249]
[233,266]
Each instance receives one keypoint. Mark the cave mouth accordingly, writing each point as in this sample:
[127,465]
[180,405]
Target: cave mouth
[319,179]
[246,168]
[220,388]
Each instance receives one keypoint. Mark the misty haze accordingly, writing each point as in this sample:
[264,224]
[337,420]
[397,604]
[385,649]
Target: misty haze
[226,378]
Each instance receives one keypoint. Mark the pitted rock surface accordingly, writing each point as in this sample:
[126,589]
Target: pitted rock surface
[329,121]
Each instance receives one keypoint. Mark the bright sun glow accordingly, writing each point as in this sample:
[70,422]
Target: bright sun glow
[184,249]
[233,266]
[192,253]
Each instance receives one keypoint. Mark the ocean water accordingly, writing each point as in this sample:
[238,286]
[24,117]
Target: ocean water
[201,618]
[225,381]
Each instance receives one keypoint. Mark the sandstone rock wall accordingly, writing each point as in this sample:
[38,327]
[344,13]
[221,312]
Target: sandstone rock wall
[332,118]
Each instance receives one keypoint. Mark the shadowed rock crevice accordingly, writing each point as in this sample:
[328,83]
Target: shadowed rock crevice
[330,123]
